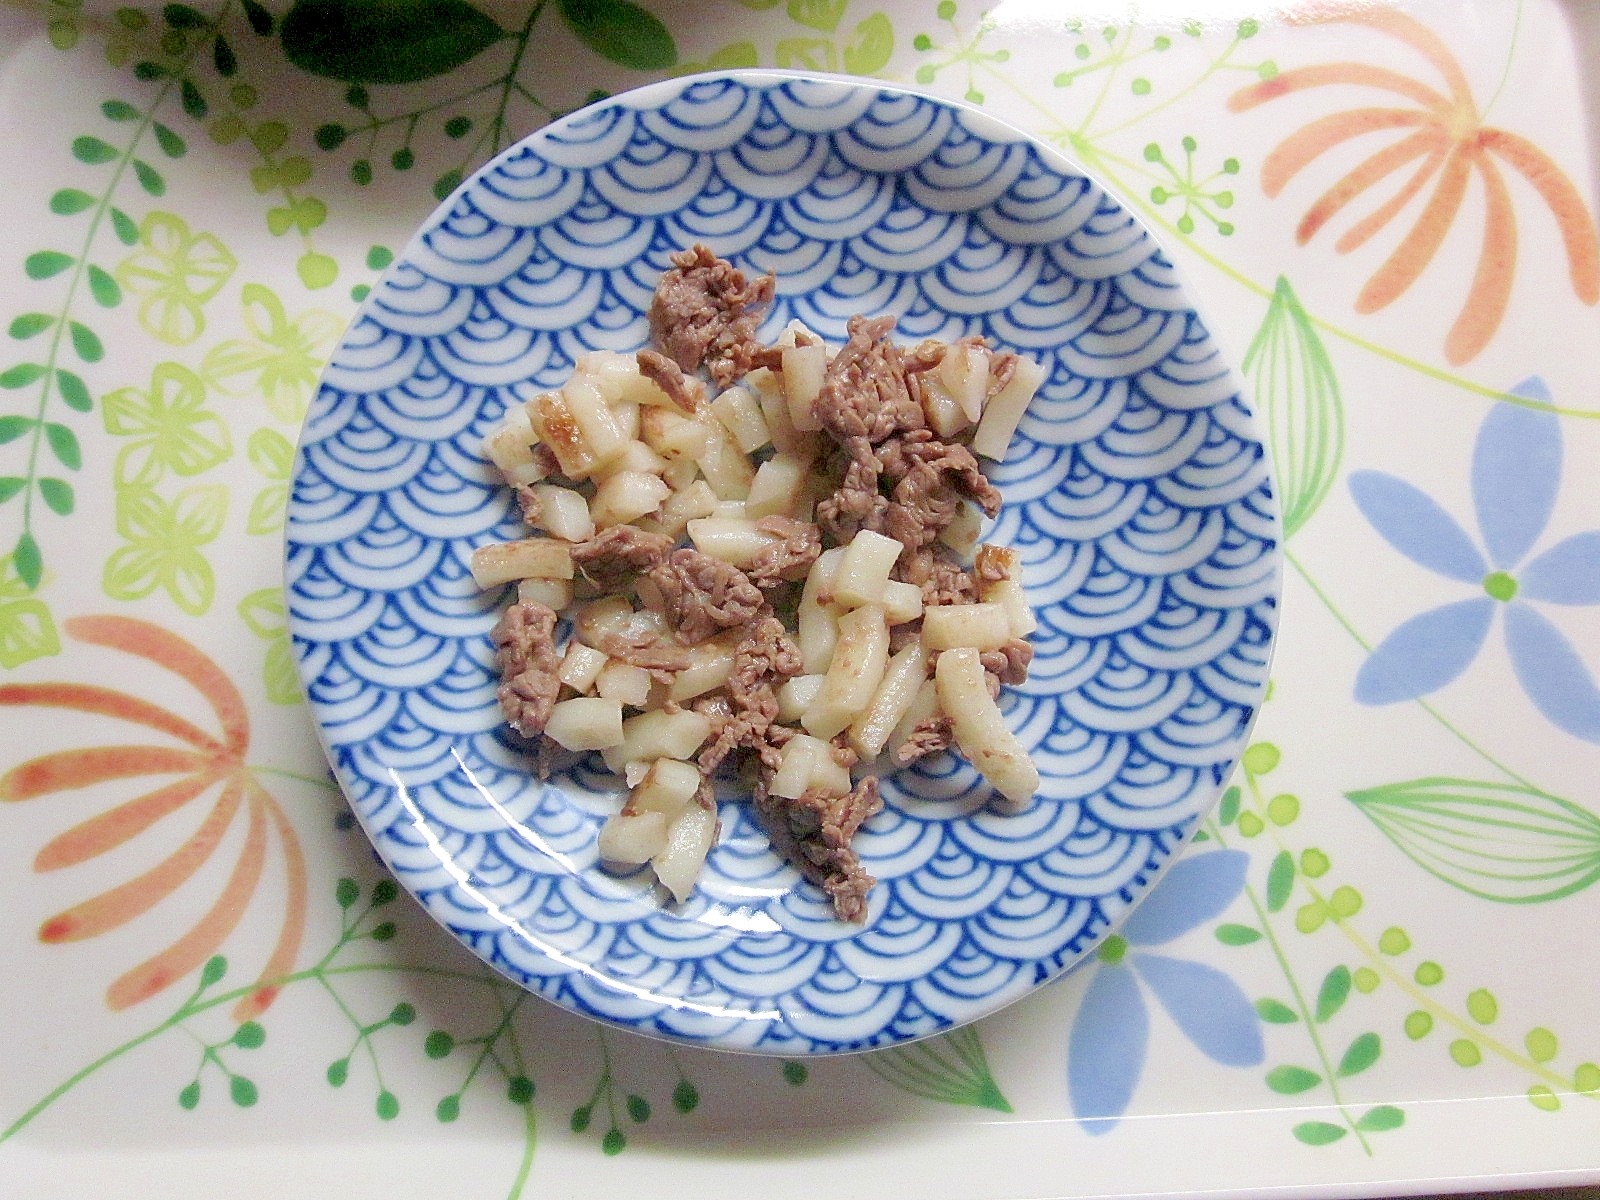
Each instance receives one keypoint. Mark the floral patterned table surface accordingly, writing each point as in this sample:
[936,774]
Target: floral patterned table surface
[1373,973]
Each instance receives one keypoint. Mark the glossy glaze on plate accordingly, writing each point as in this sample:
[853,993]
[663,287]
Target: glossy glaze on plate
[1136,490]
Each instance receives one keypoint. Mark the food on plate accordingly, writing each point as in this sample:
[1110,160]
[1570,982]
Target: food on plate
[761,573]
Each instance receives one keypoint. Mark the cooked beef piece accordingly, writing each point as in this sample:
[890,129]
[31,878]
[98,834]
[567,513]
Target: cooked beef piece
[528,501]
[659,658]
[814,834]
[941,579]
[1009,663]
[855,505]
[991,564]
[525,652]
[704,594]
[864,393]
[764,658]
[667,375]
[789,558]
[705,314]
[613,556]
[928,737]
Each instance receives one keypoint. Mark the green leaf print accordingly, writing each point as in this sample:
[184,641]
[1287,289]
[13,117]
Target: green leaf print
[818,14]
[1318,1133]
[264,615]
[1360,1055]
[1494,840]
[951,1069]
[1296,388]
[385,41]
[170,427]
[1335,990]
[1291,1081]
[868,51]
[163,549]
[621,31]
[27,631]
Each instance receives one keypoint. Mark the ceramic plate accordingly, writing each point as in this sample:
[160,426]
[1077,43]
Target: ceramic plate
[1137,491]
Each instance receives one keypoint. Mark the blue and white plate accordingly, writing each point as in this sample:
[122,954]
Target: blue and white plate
[1137,491]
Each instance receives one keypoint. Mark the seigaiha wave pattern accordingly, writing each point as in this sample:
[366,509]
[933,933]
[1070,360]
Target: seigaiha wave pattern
[1137,492]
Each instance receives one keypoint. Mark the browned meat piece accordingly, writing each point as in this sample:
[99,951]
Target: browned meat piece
[790,558]
[765,657]
[814,834]
[941,580]
[917,464]
[864,393]
[993,563]
[525,652]
[704,594]
[655,657]
[1009,664]
[528,502]
[545,460]
[929,737]
[662,371]
[611,556]
[903,634]
[705,314]
[855,505]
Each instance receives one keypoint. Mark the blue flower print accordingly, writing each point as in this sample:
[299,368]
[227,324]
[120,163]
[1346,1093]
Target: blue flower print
[1111,1032]
[1516,471]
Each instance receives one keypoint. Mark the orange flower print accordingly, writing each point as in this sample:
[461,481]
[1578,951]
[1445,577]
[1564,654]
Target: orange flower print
[1445,131]
[204,764]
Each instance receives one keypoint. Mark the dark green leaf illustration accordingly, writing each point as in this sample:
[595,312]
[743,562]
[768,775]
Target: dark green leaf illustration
[92,150]
[1291,1081]
[1335,990]
[951,1069]
[182,16]
[193,102]
[124,227]
[1360,1055]
[1318,1133]
[258,16]
[10,485]
[1381,1119]
[27,560]
[21,375]
[1276,1012]
[30,324]
[57,494]
[223,58]
[107,292]
[621,31]
[70,200]
[86,342]
[1499,841]
[149,178]
[45,263]
[120,110]
[385,41]
[1280,881]
[11,428]
[73,391]
[171,144]
[65,444]
[1295,387]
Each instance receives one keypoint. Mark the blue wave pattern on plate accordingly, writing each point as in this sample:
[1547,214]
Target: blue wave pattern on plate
[1136,489]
